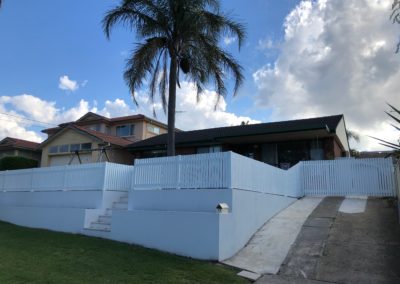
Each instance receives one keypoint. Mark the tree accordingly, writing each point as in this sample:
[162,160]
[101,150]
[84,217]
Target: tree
[183,34]
[395,17]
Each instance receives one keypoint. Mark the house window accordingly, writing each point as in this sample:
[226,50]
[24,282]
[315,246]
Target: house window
[211,149]
[53,149]
[125,130]
[75,147]
[153,129]
[86,146]
[95,127]
[63,148]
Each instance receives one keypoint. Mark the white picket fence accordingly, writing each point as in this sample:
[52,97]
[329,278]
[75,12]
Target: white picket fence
[372,177]
[183,172]
[227,170]
[249,174]
[102,176]
[214,171]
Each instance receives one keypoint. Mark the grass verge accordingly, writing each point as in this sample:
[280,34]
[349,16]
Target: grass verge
[41,256]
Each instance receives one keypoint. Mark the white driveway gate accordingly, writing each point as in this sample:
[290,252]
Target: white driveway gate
[371,177]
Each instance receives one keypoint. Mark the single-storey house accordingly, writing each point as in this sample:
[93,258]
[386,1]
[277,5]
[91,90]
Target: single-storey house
[19,148]
[95,138]
[281,144]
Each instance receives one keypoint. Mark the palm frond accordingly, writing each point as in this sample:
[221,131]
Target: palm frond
[141,63]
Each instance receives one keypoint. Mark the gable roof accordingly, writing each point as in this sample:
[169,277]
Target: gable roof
[96,135]
[10,142]
[210,135]
[91,117]
[115,140]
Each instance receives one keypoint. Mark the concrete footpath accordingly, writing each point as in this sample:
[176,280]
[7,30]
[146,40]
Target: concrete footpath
[338,247]
[268,248]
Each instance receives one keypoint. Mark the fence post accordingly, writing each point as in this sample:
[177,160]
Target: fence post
[105,176]
[228,175]
[65,178]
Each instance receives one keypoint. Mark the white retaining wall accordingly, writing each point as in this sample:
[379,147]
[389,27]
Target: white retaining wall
[189,224]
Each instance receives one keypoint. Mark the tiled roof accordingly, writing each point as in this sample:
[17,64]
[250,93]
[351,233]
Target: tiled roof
[103,119]
[18,143]
[115,140]
[212,134]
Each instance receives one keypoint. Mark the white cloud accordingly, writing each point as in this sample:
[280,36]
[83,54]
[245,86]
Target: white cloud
[67,84]
[44,114]
[195,115]
[266,43]
[229,40]
[337,57]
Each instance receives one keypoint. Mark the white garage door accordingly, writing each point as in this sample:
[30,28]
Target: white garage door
[63,160]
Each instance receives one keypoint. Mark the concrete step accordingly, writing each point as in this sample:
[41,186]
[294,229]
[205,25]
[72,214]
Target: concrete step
[105,219]
[120,206]
[96,233]
[124,199]
[100,226]
[108,212]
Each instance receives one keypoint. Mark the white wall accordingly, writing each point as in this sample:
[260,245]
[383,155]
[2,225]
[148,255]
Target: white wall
[185,222]
[192,234]
[249,212]
[70,220]
[55,199]
[199,200]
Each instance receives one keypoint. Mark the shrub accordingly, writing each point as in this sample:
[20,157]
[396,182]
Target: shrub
[17,163]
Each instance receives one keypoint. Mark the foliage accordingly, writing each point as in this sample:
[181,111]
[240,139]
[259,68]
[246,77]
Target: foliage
[395,16]
[396,117]
[40,256]
[184,35]
[17,163]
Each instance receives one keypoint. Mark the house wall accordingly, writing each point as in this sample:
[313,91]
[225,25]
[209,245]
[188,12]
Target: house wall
[115,155]
[342,135]
[68,137]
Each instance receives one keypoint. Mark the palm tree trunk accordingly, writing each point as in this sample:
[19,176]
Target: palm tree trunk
[171,107]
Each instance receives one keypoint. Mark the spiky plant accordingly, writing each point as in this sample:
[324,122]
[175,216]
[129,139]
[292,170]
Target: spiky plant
[396,117]
[183,34]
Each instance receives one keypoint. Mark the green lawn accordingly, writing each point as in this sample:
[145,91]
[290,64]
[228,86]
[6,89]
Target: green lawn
[40,256]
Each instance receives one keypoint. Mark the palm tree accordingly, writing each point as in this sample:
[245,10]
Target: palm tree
[183,34]
[395,17]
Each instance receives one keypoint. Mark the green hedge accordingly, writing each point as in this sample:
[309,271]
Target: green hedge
[17,163]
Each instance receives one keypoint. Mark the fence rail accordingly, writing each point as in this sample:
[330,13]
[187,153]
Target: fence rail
[191,171]
[372,177]
[102,176]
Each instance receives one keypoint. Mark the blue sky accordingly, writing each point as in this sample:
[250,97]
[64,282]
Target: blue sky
[294,60]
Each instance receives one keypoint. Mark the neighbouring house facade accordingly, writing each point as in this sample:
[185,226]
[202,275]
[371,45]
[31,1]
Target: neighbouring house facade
[95,138]
[281,144]
[19,148]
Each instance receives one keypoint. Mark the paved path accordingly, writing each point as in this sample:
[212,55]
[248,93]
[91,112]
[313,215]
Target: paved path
[268,248]
[337,247]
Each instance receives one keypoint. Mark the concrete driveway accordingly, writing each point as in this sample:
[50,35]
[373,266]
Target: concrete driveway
[338,247]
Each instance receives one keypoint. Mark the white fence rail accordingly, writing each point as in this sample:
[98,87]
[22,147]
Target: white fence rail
[249,174]
[372,177]
[103,176]
[191,171]
[214,170]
